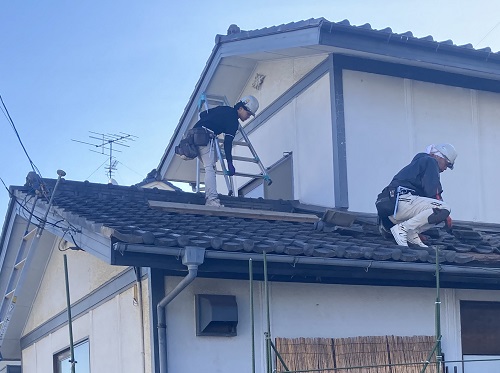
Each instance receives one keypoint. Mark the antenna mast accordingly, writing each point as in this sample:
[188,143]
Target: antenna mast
[106,144]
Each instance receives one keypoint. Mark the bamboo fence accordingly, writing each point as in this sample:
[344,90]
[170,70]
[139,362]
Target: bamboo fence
[372,354]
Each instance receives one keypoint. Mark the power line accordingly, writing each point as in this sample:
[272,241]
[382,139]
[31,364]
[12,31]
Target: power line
[102,164]
[489,32]
[11,122]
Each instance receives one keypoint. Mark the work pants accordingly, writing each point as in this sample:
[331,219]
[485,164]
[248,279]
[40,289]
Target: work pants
[414,211]
[208,157]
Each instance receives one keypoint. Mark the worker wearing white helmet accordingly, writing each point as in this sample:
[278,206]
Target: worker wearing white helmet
[222,119]
[412,202]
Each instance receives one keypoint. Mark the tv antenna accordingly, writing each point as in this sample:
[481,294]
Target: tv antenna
[107,140]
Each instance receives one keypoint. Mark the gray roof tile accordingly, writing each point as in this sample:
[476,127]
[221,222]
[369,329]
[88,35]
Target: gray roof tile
[346,26]
[126,211]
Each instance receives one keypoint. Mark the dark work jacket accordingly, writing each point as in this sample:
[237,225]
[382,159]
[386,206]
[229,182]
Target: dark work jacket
[221,119]
[421,175]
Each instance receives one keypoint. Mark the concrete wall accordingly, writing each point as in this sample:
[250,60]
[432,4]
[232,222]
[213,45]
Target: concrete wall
[307,310]
[389,120]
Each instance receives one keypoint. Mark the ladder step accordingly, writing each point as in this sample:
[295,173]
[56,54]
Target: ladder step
[20,265]
[10,294]
[245,159]
[30,234]
[259,176]
[240,143]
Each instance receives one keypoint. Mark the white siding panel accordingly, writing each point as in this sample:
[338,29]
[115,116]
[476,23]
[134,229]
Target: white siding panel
[377,135]
[389,120]
[304,128]
[445,114]
[188,353]
[314,138]
[113,330]
[29,359]
[488,117]
[86,273]
[341,311]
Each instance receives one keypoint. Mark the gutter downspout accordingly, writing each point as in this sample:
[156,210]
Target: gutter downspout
[192,257]
[138,282]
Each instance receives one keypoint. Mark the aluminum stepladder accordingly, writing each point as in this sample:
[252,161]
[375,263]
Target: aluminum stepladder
[203,105]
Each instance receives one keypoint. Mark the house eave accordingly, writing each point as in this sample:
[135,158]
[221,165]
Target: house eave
[409,50]
[286,268]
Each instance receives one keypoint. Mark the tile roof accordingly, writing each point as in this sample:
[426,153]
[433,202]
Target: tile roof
[124,213]
[428,41]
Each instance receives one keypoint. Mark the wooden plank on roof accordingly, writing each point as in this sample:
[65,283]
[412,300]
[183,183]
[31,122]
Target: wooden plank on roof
[233,212]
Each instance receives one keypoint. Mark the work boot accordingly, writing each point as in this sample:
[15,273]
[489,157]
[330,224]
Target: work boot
[414,239]
[399,233]
[213,203]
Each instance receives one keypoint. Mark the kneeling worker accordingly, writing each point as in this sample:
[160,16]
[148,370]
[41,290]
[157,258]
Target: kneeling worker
[412,201]
[222,119]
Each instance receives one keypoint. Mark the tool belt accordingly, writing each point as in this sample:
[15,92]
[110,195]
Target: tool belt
[200,136]
[386,203]
[386,200]
[402,190]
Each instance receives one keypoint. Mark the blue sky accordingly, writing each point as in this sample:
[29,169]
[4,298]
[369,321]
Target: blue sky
[70,67]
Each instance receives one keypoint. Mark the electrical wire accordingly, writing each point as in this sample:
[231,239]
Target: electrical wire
[11,122]
[123,164]
[489,32]
[88,177]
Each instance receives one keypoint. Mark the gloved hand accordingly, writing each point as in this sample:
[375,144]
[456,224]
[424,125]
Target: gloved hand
[448,224]
[230,169]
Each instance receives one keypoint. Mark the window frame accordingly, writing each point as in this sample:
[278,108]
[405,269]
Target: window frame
[65,354]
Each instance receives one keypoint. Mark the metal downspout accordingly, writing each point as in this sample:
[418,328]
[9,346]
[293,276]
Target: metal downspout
[140,303]
[192,258]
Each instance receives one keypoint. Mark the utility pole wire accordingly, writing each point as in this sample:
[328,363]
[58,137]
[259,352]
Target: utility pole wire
[489,32]
[7,115]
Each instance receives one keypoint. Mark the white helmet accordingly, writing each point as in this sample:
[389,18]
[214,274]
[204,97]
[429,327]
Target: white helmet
[449,152]
[251,104]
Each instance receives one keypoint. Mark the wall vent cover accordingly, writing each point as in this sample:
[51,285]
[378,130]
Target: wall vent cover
[216,315]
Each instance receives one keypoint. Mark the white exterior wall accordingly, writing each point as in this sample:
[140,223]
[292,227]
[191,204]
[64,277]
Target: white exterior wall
[86,273]
[114,332]
[280,75]
[306,310]
[389,120]
[302,127]
[113,328]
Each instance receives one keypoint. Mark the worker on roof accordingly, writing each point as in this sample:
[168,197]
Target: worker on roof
[221,119]
[412,202]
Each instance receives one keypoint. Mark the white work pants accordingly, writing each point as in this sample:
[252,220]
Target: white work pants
[208,157]
[414,211]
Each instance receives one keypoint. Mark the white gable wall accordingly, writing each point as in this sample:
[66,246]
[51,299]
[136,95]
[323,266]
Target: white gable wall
[114,333]
[113,328]
[86,273]
[389,120]
[280,75]
[302,127]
